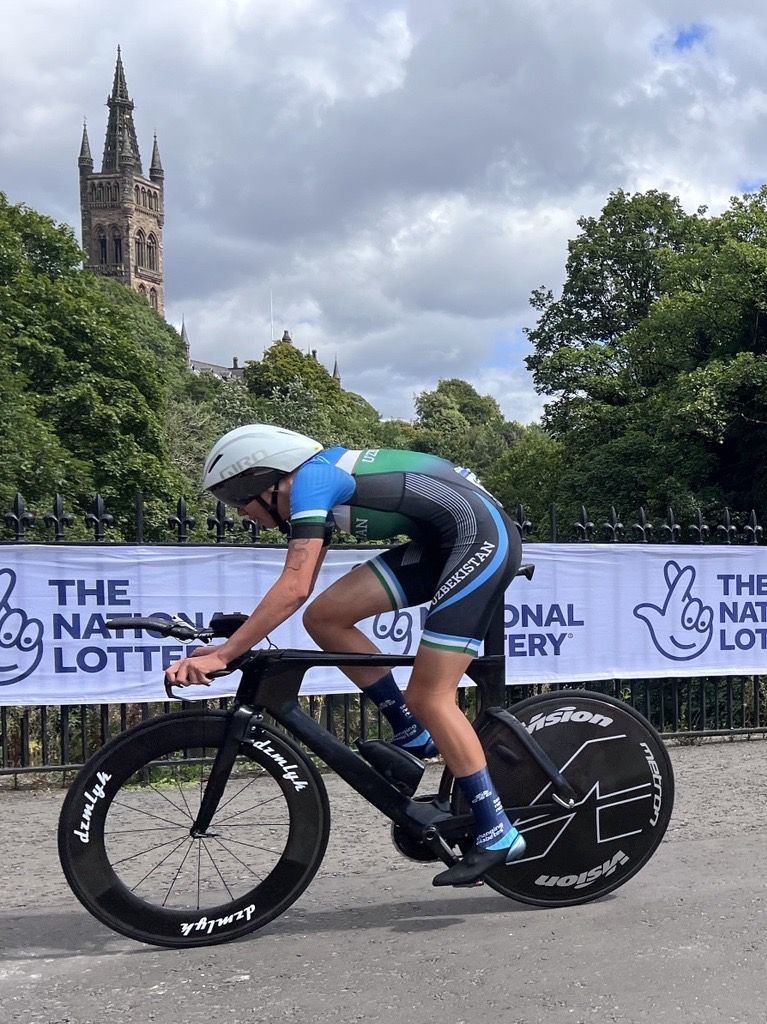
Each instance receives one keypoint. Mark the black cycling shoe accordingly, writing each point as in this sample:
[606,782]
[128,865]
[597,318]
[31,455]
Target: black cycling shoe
[477,861]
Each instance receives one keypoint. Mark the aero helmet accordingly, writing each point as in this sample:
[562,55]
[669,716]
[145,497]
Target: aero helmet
[248,460]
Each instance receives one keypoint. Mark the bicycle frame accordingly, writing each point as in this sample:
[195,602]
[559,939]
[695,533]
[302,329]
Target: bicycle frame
[271,682]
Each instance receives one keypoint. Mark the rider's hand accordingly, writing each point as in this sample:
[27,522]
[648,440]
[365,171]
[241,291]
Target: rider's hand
[201,652]
[193,671]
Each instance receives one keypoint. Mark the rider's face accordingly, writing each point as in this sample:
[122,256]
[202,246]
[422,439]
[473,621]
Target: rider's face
[254,510]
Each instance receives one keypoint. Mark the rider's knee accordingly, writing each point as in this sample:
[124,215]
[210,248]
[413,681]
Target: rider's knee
[314,620]
[418,701]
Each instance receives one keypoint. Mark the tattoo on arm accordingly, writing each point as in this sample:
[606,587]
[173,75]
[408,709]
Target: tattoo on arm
[297,555]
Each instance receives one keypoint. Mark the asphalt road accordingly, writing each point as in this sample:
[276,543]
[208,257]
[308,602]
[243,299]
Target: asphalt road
[371,940]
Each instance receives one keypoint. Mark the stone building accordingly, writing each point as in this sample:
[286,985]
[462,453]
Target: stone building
[235,370]
[122,209]
[123,212]
[199,366]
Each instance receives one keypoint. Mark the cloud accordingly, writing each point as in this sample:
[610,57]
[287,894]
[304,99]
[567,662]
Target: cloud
[397,175]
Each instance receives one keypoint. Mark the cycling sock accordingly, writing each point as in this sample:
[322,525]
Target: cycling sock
[408,732]
[494,830]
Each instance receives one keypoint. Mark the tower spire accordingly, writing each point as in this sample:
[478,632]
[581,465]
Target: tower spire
[119,87]
[185,340]
[155,169]
[120,120]
[85,160]
[123,212]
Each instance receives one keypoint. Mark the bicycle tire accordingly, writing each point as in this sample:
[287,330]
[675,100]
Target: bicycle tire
[620,767]
[145,780]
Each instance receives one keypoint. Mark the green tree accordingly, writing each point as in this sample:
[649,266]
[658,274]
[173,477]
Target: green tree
[294,390]
[668,406]
[282,366]
[613,277]
[457,423]
[85,389]
[528,474]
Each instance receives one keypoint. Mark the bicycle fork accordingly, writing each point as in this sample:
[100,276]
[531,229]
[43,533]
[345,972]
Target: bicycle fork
[244,722]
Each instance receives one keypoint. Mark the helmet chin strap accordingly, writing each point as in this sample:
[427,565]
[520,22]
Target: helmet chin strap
[271,508]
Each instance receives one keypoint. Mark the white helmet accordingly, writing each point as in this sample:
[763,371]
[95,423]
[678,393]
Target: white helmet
[248,460]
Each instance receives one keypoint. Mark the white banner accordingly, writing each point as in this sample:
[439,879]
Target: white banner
[591,612]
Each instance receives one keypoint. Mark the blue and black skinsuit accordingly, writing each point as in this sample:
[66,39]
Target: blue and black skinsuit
[463,551]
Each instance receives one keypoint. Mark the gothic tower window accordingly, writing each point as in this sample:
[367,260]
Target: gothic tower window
[153,298]
[142,291]
[100,193]
[151,252]
[93,193]
[117,246]
[140,249]
[115,193]
[143,197]
[102,242]
[136,193]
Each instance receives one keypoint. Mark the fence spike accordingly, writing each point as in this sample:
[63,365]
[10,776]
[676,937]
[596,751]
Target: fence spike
[220,522]
[181,521]
[643,527]
[584,528]
[521,522]
[18,519]
[59,519]
[672,528]
[753,530]
[699,530]
[728,529]
[252,527]
[613,527]
[99,518]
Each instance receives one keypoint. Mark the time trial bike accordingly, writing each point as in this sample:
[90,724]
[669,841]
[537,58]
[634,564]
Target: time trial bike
[200,826]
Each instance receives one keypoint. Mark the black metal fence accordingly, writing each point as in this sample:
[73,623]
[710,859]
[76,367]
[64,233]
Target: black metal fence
[57,739]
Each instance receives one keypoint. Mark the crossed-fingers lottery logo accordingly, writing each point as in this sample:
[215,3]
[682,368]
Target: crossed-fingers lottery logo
[21,637]
[681,625]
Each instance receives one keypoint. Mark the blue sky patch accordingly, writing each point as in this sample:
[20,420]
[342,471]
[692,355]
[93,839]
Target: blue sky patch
[689,36]
[750,184]
[508,346]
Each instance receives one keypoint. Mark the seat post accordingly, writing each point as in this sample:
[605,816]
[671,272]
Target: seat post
[494,674]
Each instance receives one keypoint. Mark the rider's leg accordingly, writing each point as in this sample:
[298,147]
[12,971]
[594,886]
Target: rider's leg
[331,621]
[431,696]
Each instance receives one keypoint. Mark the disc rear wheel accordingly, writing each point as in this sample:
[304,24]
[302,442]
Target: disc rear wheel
[620,769]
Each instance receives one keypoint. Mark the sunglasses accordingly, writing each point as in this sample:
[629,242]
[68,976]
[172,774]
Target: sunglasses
[240,490]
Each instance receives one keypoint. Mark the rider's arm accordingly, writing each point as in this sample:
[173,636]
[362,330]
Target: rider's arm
[302,565]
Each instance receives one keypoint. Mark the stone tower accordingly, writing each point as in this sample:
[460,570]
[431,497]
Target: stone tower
[122,210]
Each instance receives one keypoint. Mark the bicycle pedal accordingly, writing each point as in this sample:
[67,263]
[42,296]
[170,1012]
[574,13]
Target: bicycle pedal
[402,769]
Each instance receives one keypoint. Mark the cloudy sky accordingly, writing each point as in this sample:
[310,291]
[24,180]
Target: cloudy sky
[398,176]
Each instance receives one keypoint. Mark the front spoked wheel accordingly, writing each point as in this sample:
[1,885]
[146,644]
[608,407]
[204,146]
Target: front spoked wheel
[620,769]
[127,849]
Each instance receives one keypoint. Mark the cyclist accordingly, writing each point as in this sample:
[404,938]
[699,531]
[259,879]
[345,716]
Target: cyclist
[462,554]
